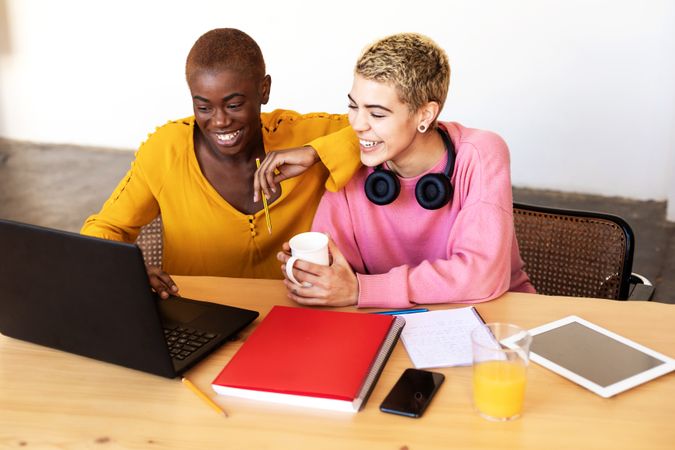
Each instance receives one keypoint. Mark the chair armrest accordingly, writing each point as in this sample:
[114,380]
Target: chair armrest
[641,292]
[640,288]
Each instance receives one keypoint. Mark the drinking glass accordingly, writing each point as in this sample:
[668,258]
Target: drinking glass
[500,359]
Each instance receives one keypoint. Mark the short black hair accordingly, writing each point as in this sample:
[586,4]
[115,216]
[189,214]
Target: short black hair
[223,49]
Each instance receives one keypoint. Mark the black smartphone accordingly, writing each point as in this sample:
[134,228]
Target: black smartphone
[412,393]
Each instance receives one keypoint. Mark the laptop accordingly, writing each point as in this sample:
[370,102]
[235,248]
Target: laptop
[91,297]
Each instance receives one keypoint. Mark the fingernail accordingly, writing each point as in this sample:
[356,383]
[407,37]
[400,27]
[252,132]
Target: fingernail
[307,284]
[174,288]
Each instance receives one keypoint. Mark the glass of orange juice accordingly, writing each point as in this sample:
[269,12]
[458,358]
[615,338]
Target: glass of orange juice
[500,357]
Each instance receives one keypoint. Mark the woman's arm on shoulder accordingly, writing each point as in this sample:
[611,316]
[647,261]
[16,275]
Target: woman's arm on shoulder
[341,154]
[325,137]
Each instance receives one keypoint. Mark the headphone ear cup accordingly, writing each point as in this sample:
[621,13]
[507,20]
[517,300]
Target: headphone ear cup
[382,187]
[433,191]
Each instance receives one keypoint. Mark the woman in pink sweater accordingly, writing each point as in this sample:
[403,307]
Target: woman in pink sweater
[429,218]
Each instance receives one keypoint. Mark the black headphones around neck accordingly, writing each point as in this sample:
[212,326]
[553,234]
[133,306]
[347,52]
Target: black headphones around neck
[432,191]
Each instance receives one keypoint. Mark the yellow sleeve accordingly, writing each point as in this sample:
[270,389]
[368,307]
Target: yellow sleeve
[329,134]
[340,153]
[133,202]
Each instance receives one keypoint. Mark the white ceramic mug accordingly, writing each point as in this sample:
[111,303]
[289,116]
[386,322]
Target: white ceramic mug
[310,246]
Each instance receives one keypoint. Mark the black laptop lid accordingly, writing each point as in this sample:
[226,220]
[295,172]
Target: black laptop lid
[87,296]
[77,294]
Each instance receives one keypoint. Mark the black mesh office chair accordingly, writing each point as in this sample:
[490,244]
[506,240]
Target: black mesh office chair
[578,253]
[150,242]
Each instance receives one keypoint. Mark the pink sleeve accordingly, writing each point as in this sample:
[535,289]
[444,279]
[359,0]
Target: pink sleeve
[333,217]
[477,268]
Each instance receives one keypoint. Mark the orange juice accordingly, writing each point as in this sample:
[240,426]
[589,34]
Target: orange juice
[499,388]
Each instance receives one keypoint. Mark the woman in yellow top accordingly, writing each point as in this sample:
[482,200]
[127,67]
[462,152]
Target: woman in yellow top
[198,172]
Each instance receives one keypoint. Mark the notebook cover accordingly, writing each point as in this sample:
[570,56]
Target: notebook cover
[308,352]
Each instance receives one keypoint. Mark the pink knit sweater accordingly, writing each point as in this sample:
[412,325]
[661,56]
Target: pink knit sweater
[404,254]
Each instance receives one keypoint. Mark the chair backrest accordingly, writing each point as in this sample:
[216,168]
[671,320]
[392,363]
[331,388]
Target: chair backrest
[150,242]
[575,253]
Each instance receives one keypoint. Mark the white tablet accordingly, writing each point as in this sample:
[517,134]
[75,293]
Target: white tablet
[594,357]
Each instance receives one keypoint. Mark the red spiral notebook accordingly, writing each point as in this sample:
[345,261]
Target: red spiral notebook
[311,357]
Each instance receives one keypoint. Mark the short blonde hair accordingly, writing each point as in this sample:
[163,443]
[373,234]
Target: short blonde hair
[414,64]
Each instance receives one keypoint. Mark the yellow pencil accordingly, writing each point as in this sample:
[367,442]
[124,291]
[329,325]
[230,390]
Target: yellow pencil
[203,396]
[268,220]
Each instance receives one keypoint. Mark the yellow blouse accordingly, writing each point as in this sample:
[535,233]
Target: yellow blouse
[204,234]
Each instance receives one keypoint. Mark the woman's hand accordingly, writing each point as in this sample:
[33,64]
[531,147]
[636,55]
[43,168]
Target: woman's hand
[334,285]
[161,282]
[281,165]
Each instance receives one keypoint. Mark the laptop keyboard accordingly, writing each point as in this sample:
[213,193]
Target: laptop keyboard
[185,341]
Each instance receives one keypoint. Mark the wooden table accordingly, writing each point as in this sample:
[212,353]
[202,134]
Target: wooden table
[51,399]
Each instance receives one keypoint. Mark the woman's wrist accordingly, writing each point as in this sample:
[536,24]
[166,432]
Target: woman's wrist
[313,153]
[355,295]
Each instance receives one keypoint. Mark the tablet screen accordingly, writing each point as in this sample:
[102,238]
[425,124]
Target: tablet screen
[596,358]
[591,354]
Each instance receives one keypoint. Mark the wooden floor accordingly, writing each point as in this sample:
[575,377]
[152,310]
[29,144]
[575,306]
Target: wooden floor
[60,185]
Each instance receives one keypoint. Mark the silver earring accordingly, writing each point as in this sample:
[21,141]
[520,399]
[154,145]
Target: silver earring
[422,128]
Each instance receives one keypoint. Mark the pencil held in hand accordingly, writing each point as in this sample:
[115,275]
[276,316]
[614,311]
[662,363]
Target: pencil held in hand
[268,220]
[204,397]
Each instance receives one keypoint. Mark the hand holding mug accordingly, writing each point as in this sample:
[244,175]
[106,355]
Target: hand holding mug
[310,246]
[322,284]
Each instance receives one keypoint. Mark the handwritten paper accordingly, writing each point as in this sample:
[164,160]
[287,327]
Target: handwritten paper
[440,338]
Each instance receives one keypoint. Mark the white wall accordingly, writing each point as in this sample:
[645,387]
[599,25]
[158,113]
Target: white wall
[582,90]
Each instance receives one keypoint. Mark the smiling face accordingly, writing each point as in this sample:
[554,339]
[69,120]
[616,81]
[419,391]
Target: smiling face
[226,105]
[386,128]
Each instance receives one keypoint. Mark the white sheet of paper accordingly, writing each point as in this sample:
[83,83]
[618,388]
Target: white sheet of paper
[440,338]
